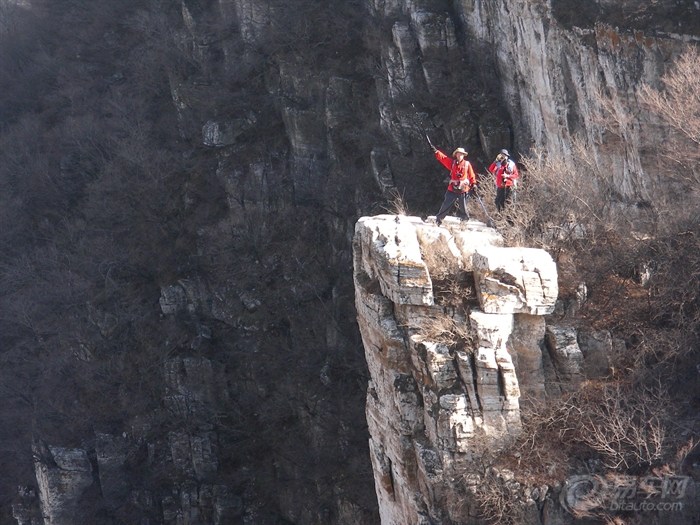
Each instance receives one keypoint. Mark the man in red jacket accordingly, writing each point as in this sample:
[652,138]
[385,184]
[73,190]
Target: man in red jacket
[462,180]
[506,173]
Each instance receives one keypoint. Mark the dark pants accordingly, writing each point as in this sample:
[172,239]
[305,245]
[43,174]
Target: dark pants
[502,197]
[450,198]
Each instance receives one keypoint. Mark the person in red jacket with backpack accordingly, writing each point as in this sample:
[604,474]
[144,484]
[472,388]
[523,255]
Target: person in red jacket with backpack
[462,181]
[506,172]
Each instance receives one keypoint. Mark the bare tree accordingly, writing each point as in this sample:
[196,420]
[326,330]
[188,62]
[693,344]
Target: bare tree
[677,104]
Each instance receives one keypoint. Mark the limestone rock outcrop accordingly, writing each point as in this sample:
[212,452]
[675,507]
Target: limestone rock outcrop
[457,332]
[510,280]
[445,370]
[63,475]
[559,80]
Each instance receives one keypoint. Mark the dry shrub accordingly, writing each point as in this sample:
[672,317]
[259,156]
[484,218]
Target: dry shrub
[489,491]
[497,497]
[456,292]
[676,261]
[677,105]
[625,426]
[557,206]
[396,204]
[444,329]
[659,315]
[657,354]
[441,264]
[538,448]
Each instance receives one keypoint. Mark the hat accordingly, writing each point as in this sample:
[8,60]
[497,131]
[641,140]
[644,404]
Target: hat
[505,152]
[460,150]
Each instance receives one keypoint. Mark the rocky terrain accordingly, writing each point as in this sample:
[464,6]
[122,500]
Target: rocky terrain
[450,366]
[181,184]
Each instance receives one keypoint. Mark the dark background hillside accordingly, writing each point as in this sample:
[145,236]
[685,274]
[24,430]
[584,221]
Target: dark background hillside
[110,196]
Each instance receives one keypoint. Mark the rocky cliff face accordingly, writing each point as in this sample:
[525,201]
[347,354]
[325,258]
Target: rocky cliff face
[244,402]
[565,77]
[458,332]
[562,72]
[437,404]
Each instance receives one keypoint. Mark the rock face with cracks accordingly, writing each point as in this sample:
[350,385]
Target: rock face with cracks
[314,106]
[457,332]
[446,375]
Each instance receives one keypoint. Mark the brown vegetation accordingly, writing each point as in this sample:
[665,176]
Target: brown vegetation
[641,272]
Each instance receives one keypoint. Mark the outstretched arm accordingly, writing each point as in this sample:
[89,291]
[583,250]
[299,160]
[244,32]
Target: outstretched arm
[443,159]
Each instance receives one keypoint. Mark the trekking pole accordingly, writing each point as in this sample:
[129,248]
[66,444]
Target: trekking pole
[489,222]
[421,126]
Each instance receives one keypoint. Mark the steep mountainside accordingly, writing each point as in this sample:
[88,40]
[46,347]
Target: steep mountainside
[180,183]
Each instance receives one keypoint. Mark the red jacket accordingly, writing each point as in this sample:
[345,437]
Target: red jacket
[506,173]
[459,172]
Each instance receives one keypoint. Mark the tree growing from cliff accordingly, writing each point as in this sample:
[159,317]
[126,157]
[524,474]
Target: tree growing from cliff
[677,104]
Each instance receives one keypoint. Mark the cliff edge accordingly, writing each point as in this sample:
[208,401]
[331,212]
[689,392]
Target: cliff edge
[453,329]
[458,338]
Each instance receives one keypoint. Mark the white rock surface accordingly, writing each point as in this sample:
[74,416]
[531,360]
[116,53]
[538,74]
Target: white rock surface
[435,405]
[515,280]
[391,254]
[63,475]
[566,354]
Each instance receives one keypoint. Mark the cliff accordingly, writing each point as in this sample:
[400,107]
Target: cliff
[459,334]
[447,363]
[181,186]
[564,74]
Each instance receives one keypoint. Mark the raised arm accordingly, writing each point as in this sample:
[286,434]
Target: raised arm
[443,159]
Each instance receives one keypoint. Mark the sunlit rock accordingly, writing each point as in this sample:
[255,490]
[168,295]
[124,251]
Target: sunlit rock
[444,386]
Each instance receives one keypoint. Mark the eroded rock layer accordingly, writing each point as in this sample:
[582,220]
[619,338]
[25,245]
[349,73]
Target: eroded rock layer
[445,314]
